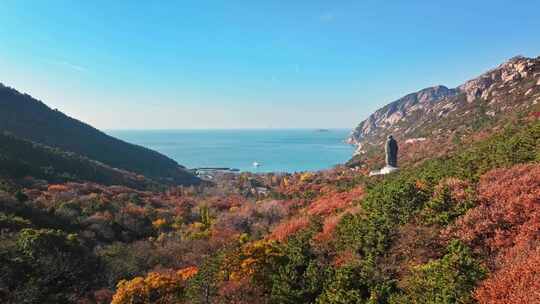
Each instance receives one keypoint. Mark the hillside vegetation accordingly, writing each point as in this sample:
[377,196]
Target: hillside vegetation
[28,118]
[21,158]
[458,223]
[462,228]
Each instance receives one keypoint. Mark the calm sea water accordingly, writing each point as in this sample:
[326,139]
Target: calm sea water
[275,150]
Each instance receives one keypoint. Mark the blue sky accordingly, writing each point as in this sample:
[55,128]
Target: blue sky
[250,64]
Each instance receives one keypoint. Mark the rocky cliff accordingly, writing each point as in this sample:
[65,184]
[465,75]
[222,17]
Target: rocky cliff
[439,112]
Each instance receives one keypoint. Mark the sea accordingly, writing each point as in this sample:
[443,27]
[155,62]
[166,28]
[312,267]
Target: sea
[275,150]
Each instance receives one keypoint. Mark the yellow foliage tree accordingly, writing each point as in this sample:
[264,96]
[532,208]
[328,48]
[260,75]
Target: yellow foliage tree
[254,258]
[306,177]
[156,288]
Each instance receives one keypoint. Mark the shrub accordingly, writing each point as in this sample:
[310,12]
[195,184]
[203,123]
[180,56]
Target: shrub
[508,211]
[203,286]
[517,282]
[334,201]
[241,292]
[448,280]
[504,229]
[388,204]
[57,268]
[347,284]
[11,222]
[123,261]
[298,277]
[451,199]
[513,146]
[289,227]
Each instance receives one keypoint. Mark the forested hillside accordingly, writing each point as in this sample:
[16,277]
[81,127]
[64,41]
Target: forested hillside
[30,119]
[21,158]
[306,152]
[458,223]
[461,228]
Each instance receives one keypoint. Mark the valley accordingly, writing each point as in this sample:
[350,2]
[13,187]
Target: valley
[88,218]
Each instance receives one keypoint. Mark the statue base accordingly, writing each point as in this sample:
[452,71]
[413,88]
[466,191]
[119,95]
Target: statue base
[383,171]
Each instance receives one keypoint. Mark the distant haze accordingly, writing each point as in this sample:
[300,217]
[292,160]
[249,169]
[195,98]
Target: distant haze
[250,64]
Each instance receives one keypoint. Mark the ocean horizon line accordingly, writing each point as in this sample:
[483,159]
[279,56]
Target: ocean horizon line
[228,129]
[276,150]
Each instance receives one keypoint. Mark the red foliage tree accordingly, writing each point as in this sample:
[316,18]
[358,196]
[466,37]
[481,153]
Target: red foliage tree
[287,228]
[331,222]
[505,229]
[517,282]
[241,291]
[508,213]
[334,201]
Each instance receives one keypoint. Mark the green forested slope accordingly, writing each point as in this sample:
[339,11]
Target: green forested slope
[31,119]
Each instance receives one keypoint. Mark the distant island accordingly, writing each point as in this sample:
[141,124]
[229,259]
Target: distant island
[322,130]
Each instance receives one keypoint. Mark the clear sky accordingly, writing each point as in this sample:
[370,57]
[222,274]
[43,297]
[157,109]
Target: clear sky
[250,64]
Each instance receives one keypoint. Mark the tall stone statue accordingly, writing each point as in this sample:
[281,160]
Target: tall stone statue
[391,150]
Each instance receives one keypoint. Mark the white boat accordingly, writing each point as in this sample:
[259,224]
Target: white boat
[256,164]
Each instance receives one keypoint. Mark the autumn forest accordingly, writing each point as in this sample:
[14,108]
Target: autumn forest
[461,228]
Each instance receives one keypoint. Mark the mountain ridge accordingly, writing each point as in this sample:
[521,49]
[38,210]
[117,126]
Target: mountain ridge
[31,119]
[438,111]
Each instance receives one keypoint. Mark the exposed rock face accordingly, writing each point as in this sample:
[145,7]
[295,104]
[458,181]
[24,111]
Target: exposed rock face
[511,71]
[439,111]
[399,110]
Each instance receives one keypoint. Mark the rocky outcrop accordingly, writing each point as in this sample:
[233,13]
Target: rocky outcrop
[399,110]
[439,111]
[511,71]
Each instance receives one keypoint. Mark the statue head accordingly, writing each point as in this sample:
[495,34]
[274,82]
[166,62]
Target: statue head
[390,136]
